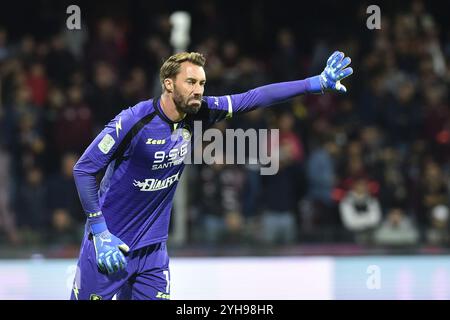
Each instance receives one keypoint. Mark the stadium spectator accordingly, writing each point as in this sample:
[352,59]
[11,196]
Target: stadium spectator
[438,234]
[396,230]
[8,228]
[220,205]
[279,223]
[360,212]
[433,192]
[73,125]
[31,207]
[318,206]
[63,205]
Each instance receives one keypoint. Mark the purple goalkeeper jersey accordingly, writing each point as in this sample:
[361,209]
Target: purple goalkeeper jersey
[144,160]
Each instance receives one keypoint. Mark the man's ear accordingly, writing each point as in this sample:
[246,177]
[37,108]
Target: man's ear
[168,84]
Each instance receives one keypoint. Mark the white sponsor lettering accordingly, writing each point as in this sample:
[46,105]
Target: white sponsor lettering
[167,165]
[156,184]
[155,141]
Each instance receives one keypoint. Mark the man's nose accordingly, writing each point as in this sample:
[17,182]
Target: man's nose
[198,90]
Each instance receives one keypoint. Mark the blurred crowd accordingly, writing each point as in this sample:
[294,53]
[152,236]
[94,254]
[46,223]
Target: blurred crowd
[370,167]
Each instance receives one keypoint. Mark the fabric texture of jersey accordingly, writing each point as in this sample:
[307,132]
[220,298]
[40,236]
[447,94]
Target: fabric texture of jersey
[144,162]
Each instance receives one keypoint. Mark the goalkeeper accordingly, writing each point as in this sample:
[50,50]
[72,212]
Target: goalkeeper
[124,250]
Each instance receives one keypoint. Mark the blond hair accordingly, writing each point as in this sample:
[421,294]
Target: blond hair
[171,67]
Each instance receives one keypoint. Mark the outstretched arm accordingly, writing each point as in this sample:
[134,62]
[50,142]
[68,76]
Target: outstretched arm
[329,80]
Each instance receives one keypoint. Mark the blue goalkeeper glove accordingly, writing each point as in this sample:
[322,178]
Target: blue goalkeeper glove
[109,249]
[335,70]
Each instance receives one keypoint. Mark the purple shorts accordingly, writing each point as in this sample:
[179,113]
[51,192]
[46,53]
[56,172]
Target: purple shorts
[146,276]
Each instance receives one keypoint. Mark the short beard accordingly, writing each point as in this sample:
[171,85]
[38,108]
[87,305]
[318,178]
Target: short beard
[182,105]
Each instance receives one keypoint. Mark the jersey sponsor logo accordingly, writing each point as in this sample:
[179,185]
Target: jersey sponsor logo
[167,164]
[95,297]
[155,141]
[156,184]
[106,143]
[174,157]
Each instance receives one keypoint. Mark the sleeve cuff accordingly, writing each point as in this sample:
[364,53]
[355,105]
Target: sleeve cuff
[313,85]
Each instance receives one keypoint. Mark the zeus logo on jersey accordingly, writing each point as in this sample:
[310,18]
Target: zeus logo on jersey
[155,141]
[162,295]
[156,184]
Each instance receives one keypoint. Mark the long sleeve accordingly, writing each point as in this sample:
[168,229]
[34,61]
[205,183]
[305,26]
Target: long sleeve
[97,157]
[273,93]
[84,174]
[225,106]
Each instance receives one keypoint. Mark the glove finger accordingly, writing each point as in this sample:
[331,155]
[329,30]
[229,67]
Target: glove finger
[337,59]
[124,247]
[116,263]
[344,73]
[109,265]
[122,260]
[115,266]
[344,63]
[340,87]
[120,265]
[332,57]
[101,264]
